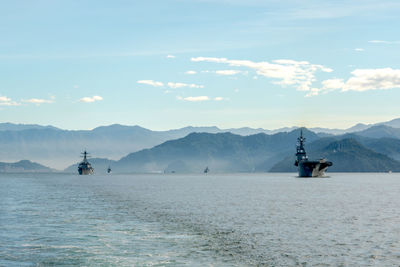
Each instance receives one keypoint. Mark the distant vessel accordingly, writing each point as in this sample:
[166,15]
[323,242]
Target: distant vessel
[306,167]
[85,167]
[109,169]
[206,170]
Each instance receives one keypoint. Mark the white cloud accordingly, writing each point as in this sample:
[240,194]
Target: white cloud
[300,74]
[359,49]
[383,42]
[170,84]
[200,98]
[190,72]
[5,101]
[170,56]
[151,82]
[364,80]
[378,42]
[76,86]
[180,85]
[332,84]
[37,101]
[91,99]
[227,72]
[313,92]
[194,98]
[210,59]
[373,79]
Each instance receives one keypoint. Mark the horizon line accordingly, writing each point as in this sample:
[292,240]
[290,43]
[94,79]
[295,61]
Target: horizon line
[199,126]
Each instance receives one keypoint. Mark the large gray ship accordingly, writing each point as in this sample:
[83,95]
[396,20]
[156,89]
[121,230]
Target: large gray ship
[85,167]
[308,168]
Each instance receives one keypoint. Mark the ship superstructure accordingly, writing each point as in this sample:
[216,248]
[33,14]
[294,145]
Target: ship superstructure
[85,168]
[306,167]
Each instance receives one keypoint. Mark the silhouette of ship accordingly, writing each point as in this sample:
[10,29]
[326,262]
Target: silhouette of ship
[206,170]
[306,167]
[109,169]
[85,167]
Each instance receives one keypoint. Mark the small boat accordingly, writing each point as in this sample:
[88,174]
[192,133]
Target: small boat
[206,170]
[109,169]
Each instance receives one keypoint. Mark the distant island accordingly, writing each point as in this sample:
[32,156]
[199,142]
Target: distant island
[133,149]
[23,166]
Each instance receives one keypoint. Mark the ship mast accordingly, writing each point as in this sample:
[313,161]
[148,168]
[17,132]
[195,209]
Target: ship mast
[300,151]
[85,156]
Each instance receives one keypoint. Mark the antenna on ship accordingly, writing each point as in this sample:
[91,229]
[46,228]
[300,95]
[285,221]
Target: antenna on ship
[301,139]
[85,155]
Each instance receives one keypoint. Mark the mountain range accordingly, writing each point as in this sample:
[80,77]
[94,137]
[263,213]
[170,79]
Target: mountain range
[227,152]
[59,148]
[221,152]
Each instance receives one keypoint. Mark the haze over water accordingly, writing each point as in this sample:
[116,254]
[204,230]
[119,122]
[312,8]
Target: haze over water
[199,220]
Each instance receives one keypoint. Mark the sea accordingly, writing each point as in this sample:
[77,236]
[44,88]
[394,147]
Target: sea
[264,219]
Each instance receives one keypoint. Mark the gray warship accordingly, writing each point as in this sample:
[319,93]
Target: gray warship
[308,168]
[85,167]
[206,170]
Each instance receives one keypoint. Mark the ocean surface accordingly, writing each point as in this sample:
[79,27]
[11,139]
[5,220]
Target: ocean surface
[199,220]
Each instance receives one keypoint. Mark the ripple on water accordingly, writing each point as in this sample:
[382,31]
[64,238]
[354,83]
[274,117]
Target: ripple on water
[196,220]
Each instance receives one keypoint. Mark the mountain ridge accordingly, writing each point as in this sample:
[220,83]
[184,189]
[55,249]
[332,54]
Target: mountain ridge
[227,152]
[59,148]
[23,166]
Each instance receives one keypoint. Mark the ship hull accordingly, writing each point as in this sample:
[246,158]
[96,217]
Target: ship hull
[85,171]
[313,168]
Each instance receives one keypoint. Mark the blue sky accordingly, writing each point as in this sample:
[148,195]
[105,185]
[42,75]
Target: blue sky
[169,64]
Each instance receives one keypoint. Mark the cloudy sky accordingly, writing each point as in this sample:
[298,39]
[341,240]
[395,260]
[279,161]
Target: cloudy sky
[173,63]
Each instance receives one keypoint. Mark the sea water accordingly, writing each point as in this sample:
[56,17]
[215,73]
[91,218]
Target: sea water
[199,220]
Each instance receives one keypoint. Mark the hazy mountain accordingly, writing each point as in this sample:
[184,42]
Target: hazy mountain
[387,146]
[60,148]
[7,126]
[357,128]
[221,152]
[227,152]
[248,131]
[326,131]
[23,166]
[380,131]
[347,155]
[395,123]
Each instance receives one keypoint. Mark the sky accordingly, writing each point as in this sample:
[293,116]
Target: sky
[173,63]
